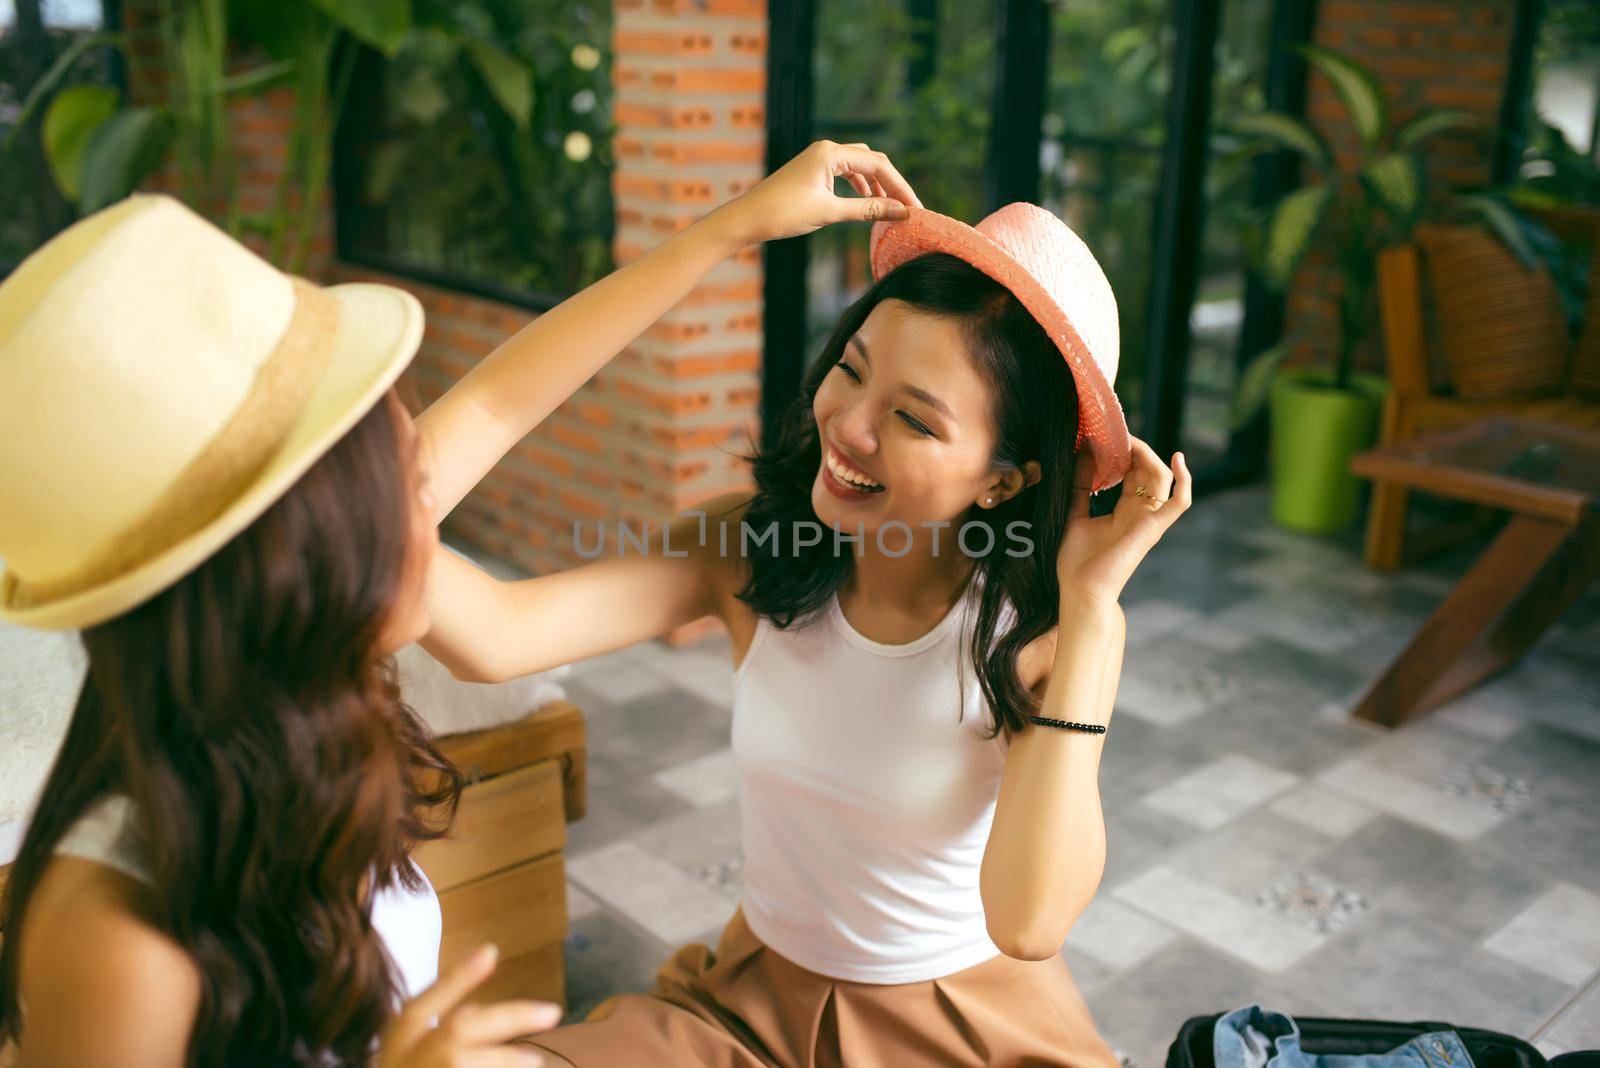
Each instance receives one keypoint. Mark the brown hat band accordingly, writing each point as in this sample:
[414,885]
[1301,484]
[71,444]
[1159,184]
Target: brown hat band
[234,456]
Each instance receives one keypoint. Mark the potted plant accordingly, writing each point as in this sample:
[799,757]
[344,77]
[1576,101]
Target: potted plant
[1322,415]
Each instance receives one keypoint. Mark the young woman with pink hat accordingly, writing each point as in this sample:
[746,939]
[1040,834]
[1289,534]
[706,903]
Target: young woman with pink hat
[926,641]
[206,470]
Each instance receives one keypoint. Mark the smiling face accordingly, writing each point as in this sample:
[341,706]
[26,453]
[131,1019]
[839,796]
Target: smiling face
[905,421]
[936,390]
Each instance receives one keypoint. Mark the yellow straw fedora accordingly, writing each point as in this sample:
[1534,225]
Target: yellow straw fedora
[160,387]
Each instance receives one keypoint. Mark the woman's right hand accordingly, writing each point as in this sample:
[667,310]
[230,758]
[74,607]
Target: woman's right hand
[466,1036]
[798,197]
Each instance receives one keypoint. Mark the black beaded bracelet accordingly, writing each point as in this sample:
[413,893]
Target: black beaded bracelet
[1067,725]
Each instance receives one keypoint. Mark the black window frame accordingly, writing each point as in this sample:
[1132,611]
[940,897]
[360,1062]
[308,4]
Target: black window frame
[363,96]
[1012,166]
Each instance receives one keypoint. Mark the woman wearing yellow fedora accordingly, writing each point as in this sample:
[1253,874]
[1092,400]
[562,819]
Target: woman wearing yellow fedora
[204,467]
[926,644]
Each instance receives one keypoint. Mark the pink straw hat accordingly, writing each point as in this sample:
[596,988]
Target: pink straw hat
[1051,271]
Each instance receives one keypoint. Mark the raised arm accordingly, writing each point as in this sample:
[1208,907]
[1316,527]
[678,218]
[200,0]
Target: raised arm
[485,629]
[467,431]
[488,630]
[1046,849]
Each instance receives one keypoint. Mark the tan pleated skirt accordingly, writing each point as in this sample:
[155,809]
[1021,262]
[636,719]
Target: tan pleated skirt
[744,1006]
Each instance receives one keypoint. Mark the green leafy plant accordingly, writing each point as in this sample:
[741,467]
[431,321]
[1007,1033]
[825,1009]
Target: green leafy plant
[1361,204]
[318,41]
[1554,178]
[100,147]
[96,148]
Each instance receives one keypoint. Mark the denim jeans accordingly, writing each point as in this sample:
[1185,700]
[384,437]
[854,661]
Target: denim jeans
[1253,1037]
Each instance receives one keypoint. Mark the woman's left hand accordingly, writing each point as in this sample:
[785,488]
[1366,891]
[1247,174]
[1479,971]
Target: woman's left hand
[798,197]
[1099,554]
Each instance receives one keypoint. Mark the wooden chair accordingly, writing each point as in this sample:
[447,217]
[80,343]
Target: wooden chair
[1414,407]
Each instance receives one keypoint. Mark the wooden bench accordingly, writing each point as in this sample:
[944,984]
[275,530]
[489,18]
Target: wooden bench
[500,875]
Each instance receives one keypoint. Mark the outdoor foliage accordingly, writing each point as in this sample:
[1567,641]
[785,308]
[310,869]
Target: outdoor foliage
[494,125]
[487,151]
[100,147]
[1104,132]
[1104,127]
[932,118]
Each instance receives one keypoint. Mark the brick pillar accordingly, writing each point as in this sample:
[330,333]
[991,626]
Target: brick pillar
[1425,54]
[690,78]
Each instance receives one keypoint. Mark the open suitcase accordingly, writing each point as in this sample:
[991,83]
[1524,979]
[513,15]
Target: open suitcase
[1327,1035]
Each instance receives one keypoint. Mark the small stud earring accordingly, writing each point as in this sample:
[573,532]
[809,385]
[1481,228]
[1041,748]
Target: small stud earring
[988,501]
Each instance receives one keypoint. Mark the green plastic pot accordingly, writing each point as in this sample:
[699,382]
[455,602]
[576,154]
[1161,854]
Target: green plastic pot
[1315,430]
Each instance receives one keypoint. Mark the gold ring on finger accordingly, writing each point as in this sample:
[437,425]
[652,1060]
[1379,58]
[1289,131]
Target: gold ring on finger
[1140,491]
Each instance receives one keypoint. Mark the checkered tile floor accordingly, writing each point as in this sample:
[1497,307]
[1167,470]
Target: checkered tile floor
[1263,847]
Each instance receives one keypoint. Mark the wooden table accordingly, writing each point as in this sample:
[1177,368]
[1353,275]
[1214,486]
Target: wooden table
[1548,478]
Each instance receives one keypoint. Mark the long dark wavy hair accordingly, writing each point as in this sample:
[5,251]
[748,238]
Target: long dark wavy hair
[248,714]
[1036,413]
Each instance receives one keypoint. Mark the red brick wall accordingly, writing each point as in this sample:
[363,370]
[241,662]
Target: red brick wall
[1429,53]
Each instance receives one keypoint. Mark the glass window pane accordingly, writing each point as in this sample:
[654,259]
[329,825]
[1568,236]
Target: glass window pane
[1100,159]
[1243,40]
[1567,77]
[927,107]
[450,178]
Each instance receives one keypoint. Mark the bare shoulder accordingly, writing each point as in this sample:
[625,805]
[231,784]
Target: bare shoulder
[719,548]
[100,983]
[726,509]
[722,557]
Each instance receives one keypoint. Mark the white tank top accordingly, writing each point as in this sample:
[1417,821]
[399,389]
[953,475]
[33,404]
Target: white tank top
[868,790]
[409,922]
